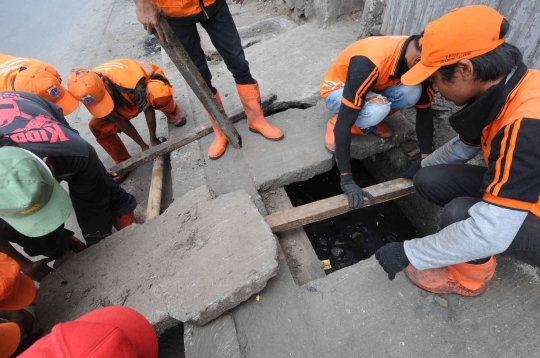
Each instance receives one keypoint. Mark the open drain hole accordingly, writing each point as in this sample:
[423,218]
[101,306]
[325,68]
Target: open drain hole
[278,107]
[171,342]
[356,235]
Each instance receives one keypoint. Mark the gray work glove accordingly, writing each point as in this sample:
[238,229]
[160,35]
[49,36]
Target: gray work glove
[355,195]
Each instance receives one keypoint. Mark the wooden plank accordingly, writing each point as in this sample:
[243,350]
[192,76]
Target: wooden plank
[180,141]
[185,65]
[156,185]
[336,205]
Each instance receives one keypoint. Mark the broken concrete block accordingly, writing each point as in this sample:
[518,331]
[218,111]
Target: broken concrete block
[365,146]
[216,339]
[200,258]
[300,155]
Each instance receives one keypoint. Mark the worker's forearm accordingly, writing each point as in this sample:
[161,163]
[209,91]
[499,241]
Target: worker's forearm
[489,231]
[453,152]
[8,249]
[342,137]
[127,127]
[150,115]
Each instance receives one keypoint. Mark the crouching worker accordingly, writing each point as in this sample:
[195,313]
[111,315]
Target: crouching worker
[34,76]
[362,87]
[36,131]
[487,210]
[116,92]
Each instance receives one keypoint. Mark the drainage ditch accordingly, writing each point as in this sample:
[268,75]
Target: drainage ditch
[356,235]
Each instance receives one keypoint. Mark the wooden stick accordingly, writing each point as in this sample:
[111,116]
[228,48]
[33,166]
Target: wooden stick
[185,65]
[336,205]
[180,141]
[156,184]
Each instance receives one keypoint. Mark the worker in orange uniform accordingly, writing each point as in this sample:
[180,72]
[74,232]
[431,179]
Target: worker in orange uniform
[28,75]
[488,210]
[17,291]
[215,17]
[362,87]
[116,92]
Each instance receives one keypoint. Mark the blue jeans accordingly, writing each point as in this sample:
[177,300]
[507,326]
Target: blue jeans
[399,97]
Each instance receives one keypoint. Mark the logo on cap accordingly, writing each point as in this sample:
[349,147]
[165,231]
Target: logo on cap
[54,92]
[89,99]
[32,209]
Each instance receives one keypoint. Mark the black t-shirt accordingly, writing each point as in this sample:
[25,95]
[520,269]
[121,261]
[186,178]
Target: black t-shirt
[39,126]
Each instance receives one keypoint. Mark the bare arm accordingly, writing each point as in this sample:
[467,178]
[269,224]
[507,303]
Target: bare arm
[150,115]
[148,14]
[127,127]
[35,270]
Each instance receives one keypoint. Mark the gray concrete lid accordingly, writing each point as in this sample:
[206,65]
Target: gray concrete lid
[200,258]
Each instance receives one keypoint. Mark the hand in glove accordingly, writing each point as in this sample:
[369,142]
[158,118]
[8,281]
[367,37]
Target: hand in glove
[413,169]
[392,258]
[355,195]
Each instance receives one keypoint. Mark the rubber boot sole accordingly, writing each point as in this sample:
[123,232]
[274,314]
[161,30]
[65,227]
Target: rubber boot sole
[274,139]
[181,123]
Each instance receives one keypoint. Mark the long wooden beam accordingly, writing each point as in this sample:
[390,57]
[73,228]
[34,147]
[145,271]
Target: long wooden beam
[185,65]
[336,205]
[180,141]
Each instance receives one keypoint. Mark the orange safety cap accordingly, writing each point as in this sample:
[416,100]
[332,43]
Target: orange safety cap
[46,85]
[464,279]
[16,289]
[464,33]
[87,87]
[10,336]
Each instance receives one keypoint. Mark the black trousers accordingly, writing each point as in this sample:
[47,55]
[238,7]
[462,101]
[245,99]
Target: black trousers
[456,187]
[224,36]
[96,198]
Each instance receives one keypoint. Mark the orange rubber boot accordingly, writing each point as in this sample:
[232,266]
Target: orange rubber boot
[114,146]
[464,279]
[219,145]
[383,131]
[250,97]
[123,221]
[329,140]
[174,114]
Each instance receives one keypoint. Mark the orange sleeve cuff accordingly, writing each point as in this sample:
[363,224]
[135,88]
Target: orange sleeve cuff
[508,203]
[349,104]
[422,106]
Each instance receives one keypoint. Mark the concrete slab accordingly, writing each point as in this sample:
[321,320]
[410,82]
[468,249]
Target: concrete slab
[291,64]
[366,146]
[190,264]
[300,155]
[357,311]
[216,339]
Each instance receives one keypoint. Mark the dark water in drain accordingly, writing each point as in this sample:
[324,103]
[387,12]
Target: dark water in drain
[356,235]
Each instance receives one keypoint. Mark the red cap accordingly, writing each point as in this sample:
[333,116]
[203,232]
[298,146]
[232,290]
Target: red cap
[464,33]
[106,332]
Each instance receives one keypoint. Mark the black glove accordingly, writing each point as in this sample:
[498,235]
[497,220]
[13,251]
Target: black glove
[392,258]
[413,169]
[354,193]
